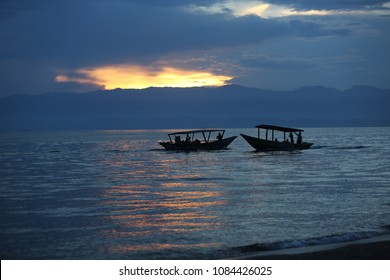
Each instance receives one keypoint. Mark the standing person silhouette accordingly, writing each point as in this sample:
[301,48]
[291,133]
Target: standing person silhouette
[291,138]
[299,139]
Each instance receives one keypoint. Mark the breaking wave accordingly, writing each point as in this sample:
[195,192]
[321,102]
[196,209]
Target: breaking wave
[298,243]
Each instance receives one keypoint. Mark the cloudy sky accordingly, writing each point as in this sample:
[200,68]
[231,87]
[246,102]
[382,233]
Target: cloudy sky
[82,45]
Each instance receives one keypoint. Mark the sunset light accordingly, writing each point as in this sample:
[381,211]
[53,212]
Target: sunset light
[138,77]
[270,10]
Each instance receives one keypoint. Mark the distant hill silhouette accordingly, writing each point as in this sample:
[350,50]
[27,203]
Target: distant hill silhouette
[227,106]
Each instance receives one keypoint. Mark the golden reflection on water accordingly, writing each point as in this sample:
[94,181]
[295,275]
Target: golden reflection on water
[163,198]
[173,208]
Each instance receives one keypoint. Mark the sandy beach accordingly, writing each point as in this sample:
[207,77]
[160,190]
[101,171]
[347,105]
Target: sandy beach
[368,249]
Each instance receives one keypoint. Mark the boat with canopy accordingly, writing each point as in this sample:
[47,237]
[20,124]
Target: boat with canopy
[268,141]
[200,139]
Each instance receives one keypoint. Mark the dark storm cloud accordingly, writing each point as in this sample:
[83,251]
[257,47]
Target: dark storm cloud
[313,29]
[175,2]
[271,63]
[110,33]
[9,7]
[331,4]
[16,7]
[42,37]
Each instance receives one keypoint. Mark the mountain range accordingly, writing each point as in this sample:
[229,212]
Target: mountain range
[227,106]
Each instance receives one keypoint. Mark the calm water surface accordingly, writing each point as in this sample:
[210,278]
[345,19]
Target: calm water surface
[119,195]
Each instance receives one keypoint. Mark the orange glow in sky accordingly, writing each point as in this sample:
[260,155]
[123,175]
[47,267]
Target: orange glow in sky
[138,77]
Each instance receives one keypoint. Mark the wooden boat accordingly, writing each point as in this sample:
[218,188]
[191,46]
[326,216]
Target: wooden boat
[271,143]
[201,139]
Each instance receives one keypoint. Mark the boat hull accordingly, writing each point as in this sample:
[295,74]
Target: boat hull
[267,145]
[193,146]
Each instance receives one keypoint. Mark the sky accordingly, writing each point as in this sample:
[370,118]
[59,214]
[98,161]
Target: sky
[84,45]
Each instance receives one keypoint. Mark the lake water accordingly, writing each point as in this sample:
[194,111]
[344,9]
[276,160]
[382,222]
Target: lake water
[119,195]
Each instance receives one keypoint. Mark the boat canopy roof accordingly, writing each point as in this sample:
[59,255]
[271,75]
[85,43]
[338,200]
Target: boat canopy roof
[279,128]
[196,131]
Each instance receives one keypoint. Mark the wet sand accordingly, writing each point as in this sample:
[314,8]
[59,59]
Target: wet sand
[370,249]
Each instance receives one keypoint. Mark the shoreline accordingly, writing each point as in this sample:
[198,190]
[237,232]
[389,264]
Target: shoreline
[376,248]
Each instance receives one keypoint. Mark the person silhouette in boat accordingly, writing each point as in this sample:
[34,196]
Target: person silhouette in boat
[299,139]
[219,137]
[291,138]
